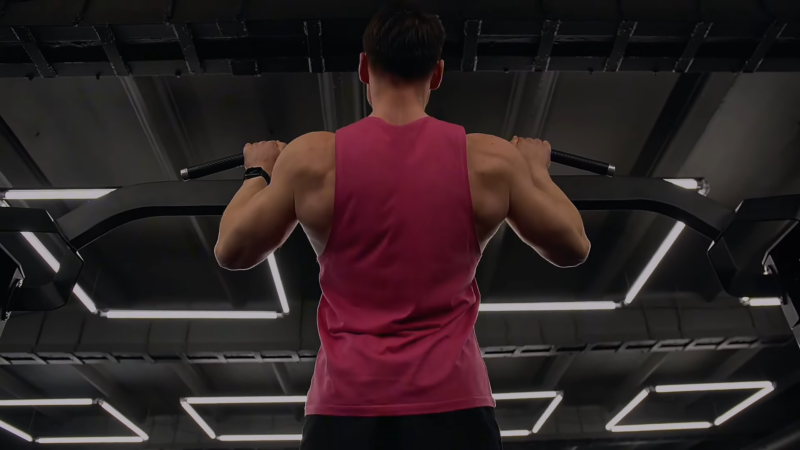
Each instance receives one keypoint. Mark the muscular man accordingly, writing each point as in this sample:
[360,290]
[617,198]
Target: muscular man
[399,207]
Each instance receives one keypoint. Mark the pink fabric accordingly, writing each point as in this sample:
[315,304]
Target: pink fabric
[399,297]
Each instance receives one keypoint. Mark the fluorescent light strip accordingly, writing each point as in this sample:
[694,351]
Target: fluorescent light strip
[661,427]
[277,399]
[654,261]
[549,306]
[706,387]
[525,395]
[762,301]
[49,402]
[260,437]
[627,409]
[741,406]
[55,194]
[276,277]
[167,314]
[117,415]
[547,412]
[514,433]
[16,431]
[686,183]
[202,423]
[92,440]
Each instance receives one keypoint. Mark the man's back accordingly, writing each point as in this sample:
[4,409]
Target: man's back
[399,302]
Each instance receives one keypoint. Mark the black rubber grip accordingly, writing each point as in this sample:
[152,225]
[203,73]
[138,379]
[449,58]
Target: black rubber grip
[233,161]
[212,167]
[579,162]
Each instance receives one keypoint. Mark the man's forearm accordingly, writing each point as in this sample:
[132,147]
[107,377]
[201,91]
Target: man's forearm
[249,189]
[542,180]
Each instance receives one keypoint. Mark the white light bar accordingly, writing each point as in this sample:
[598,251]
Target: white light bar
[202,423]
[686,183]
[278,399]
[260,437]
[627,409]
[547,412]
[117,415]
[92,440]
[84,298]
[16,431]
[762,301]
[514,433]
[549,306]
[661,427]
[167,314]
[276,277]
[706,387]
[525,395]
[741,406]
[49,402]
[637,286]
[54,194]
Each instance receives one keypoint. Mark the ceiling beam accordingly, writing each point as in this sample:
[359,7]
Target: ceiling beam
[327,100]
[666,149]
[17,388]
[682,323]
[193,377]
[531,125]
[162,125]
[282,374]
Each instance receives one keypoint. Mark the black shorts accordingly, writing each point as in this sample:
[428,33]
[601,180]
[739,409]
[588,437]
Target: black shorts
[468,429]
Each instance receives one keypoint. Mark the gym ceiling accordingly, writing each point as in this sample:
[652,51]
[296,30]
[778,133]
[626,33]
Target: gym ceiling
[680,89]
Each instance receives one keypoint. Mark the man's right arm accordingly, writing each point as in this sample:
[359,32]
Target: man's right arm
[539,212]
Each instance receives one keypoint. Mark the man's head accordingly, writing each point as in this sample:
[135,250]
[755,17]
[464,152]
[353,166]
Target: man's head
[404,45]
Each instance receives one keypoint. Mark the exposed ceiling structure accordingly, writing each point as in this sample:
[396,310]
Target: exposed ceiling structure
[652,90]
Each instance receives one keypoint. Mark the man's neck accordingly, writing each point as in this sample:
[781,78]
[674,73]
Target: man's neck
[398,106]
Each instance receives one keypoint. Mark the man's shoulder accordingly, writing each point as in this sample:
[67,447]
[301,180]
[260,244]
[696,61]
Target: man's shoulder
[310,154]
[491,151]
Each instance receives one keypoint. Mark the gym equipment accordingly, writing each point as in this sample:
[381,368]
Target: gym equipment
[233,161]
[741,277]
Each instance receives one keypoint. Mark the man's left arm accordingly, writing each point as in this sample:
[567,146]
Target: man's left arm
[259,218]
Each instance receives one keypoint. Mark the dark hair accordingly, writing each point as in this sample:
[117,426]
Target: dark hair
[403,41]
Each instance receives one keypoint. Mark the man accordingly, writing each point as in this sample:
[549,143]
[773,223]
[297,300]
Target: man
[399,207]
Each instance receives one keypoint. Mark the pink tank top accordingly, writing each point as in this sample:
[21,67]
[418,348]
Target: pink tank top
[399,297]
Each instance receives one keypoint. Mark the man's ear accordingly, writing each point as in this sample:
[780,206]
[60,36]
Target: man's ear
[363,68]
[438,73]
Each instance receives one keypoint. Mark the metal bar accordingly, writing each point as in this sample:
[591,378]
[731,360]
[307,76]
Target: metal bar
[238,26]
[282,374]
[313,31]
[184,33]
[469,59]
[695,41]
[28,42]
[773,33]
[201,197]
[327,101]
[81,12]
[108,41]
[624,33]
[546,41]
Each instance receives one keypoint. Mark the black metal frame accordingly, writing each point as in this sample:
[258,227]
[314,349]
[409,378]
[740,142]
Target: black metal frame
[116,38]
[201,197]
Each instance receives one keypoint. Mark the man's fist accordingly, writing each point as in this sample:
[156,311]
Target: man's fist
[263,154]
[535,151]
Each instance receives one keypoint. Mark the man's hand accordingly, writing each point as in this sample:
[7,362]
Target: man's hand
[263,154]
[535,152]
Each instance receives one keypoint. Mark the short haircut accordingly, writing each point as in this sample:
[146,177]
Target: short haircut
[402,41]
